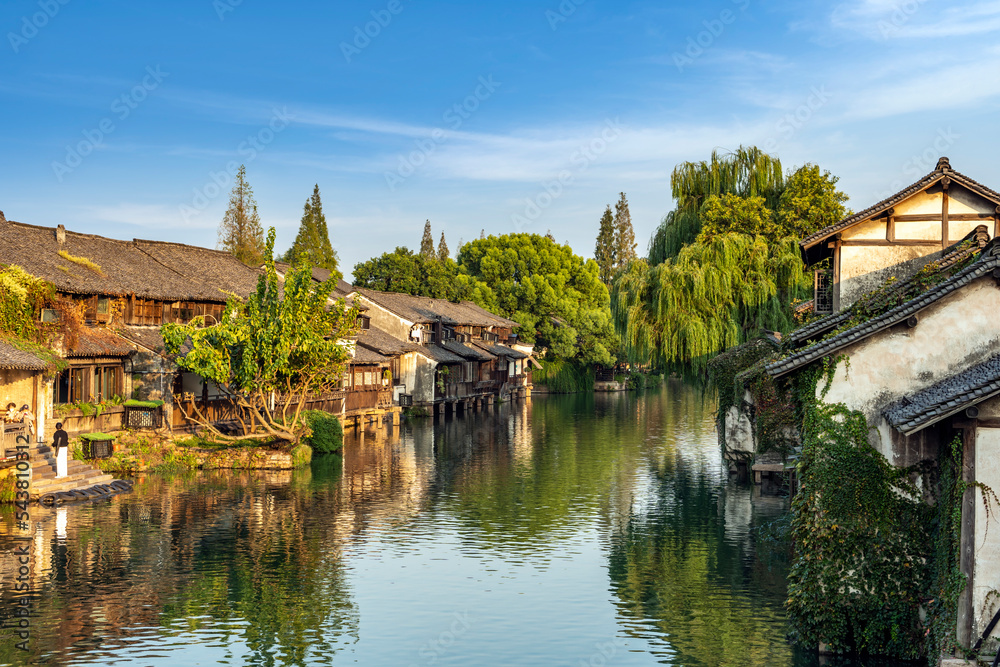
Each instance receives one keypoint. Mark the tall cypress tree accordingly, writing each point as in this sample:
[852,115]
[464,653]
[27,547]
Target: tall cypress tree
[240,231]
[604,250]
[442,249]
[427,242]
[313,237]
[624,234]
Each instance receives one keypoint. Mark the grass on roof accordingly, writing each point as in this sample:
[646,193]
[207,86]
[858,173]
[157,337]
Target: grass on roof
[82,261]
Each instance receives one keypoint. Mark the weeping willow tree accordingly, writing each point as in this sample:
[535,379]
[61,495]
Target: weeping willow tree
[746,172]
[714,294]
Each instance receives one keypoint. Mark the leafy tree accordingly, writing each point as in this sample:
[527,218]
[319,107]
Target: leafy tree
[442,253]
[270,352]
[555,295]
[314,238]
[604,250]
[410,273]
[713,295]
[737,266]
[744,215]
[427,242]
[810,202]
[240,232]
[747,172]
[624,234]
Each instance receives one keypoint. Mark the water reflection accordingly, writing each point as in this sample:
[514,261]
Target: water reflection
[593,529]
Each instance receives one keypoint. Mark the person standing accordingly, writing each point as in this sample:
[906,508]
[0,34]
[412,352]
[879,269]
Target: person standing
[60,441]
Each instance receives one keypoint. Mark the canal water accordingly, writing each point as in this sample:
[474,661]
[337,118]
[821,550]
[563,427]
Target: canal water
[562,530]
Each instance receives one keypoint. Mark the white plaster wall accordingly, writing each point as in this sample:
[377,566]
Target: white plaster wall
[920,203]
[923,230]
[986,577]
[870,230]
[990,409]
[953,334]
[392,324]
[865,268]
[739,432]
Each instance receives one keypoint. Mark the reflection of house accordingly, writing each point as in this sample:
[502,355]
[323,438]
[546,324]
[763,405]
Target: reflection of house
[449,354]
[921,362]
[897,236]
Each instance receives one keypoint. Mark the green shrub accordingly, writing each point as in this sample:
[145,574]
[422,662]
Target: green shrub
[564,377]
[327,431]
[301,456]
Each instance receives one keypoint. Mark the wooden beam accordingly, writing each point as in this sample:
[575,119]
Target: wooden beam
[936,217]
[890,226]
[897,242]
[945,182]
[967,540]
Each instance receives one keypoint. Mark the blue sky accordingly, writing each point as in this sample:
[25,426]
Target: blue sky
[123,118]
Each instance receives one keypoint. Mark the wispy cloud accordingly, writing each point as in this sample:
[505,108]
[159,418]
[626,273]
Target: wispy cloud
[910,19]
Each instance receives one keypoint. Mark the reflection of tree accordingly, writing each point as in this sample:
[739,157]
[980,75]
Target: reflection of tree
[676,567]
[241,557]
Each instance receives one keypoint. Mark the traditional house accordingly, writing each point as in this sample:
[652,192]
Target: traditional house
[897,236]
[461,352]
[20,384]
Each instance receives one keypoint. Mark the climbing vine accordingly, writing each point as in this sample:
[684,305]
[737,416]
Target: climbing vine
[861,535]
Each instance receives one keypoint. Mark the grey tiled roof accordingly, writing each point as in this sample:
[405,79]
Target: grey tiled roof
[382,342]
[439,354]
[12,358]
[988,261]
[362,355]
[945,398]
[943,169]
[468,351]
[500,350]
[422,309]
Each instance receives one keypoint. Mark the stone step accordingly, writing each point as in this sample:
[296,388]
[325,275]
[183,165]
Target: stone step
[48,469]
[77,486]
[87,478]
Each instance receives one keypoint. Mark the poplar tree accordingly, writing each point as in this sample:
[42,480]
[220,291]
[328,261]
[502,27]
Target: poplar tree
[240,231]
[604,249]
[442,249]
[313,238]
[427,242]
[624,234]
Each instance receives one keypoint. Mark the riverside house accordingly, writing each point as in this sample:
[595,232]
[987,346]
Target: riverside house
[123,291]
[914,340]
[450,355]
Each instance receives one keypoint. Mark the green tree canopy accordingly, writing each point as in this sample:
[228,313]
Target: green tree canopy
[407,272]
[810,202]
[725,264]
[713,295]
[314,238]
[556,296]
[240,231]
[270,352]
[746,172]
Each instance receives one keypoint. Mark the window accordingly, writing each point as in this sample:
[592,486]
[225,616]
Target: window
[359,378]
[823,292]
[106,383]
[103,305]
[369,378]
[50,315]
[70,386]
